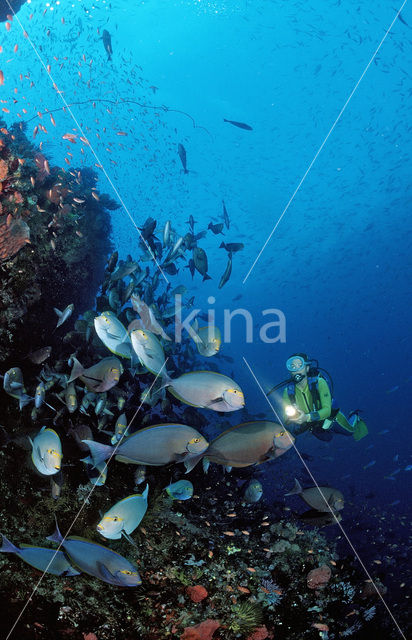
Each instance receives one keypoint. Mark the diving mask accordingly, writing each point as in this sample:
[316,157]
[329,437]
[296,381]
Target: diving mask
[296,364]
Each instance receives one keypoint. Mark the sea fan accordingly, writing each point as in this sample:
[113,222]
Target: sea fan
[273,593]
[351,630]
[369,613]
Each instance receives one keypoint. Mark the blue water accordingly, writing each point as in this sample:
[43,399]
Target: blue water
[338,265]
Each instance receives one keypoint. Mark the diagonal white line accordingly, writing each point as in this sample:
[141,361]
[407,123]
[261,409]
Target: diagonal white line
[40,580]
[79,127]
[323,144]
[326,502]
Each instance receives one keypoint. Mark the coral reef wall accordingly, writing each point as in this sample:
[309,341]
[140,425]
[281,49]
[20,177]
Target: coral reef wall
[54,240]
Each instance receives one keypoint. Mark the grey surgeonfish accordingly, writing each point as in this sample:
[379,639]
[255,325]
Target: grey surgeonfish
[319,498]
[249,443]
[13,385]
[46,451]
[253,492]
[149,350]
[98,561]
[113,334]
[207,339]
[207,389]
[124,517]
[63,315]
[41,558]
[100,377]
[156,445]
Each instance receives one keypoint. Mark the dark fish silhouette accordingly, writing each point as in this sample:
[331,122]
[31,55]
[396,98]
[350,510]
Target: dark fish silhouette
[225,215]
[241,125]
[216,228]
[182,155]
[107,43]
[232,247]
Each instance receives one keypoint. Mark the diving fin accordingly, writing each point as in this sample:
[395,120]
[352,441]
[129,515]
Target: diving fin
[361,430]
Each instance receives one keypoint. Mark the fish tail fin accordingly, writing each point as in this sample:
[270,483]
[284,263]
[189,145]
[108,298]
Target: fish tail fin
[57,312]
[146,492]
[192,462]
[7,546]
[24,400]
[206,277]
[224,120]
[222,246]
[76,371]
[297,489]
[56,536]
[98,451]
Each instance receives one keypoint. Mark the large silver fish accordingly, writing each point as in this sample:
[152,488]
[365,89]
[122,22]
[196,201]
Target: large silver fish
[98,561]
[100,377]
[156,445]
[113,334]
[319,498]
[249,443]
[207,389]
[46,451]
[41,558]
[149,350]
[124,517]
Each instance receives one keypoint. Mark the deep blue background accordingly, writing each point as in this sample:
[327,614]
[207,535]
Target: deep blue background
[339,263]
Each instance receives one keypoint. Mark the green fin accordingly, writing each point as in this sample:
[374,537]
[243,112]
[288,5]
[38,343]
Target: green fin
[361,430]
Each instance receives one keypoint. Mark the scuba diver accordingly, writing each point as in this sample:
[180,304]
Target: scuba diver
[308,402]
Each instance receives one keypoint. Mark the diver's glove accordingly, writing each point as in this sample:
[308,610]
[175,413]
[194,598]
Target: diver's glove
[303,418]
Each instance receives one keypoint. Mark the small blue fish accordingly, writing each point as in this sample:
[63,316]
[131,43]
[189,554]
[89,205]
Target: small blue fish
[394,473]
[408,468]
[124,517]
[253,492]
[46,451]
[392,389]
[41,558]
[98,561]
[180,490]
[370,464]
[120,429]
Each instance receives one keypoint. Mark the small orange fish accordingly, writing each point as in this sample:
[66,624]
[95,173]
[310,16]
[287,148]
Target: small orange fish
[228,533]
[246,533]
[5,110]
[32,181]
[46,167]
[16,46]
[8,26]
[35,131]
[251,569]
[243,590]
[95,196]
[320,626]
[121,133]
[1,78]
[210,554]
[52,120]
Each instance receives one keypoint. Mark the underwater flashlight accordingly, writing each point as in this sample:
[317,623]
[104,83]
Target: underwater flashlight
[290,411]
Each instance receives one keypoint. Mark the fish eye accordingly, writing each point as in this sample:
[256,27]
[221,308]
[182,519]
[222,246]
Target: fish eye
[194,440]
[126,572]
